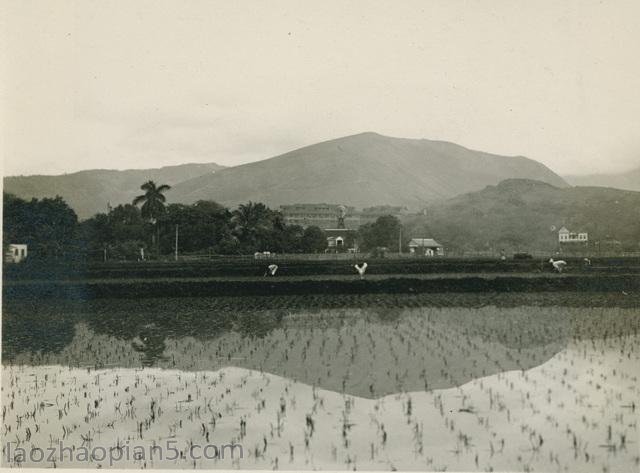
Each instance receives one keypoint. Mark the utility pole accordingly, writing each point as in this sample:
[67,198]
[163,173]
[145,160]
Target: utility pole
[176,255]
[400,241]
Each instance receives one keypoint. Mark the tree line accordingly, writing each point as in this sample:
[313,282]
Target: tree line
[146,228]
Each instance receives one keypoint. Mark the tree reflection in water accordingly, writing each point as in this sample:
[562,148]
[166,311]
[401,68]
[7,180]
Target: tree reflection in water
[367,351]
[151,343]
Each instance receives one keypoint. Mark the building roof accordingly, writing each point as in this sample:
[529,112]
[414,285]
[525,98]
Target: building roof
[564,230]
[424,242]
[323,208]
[339,232]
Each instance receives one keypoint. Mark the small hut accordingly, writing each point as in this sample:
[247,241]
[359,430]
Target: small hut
[15,253]
[425,247]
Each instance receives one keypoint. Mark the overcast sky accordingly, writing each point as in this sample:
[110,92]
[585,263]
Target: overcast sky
[133,84]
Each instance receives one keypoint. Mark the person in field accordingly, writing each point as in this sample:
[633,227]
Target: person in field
[361,269]
[558,265]
[271,270]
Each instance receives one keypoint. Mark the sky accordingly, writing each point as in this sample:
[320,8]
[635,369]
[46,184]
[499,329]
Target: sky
[137,84]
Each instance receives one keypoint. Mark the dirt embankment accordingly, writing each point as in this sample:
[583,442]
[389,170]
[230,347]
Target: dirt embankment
[393,284]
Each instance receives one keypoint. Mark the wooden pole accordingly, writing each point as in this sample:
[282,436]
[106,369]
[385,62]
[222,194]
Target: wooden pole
[176,255]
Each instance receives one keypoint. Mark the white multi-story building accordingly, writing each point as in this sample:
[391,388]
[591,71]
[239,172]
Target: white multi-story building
[565,236]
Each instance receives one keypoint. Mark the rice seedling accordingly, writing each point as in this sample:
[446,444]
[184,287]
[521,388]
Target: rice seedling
[473,389]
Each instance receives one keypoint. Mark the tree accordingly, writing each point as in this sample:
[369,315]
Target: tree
[286,238]
[48,226]
[127,223]
[96,233]
[253,224]
[128,250]
[117,232]
[152,202]
[314,240]
[202,226]
[384,232]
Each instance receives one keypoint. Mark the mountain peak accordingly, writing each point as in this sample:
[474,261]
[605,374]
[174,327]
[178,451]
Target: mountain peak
[363,170]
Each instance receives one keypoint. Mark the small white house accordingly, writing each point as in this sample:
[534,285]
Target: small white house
[333,242]
[340,240]
[426,247]
[15,253]
[565,236]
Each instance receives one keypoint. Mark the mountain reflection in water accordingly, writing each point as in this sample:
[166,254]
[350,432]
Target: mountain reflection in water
[368,352]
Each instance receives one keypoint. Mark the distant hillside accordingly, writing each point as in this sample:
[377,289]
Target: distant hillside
[520,214]
[362,170]
[88,192]
[629,180]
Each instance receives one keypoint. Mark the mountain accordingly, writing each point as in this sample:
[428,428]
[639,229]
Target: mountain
[88,192]
[522,214]
[362,170]
[629,180]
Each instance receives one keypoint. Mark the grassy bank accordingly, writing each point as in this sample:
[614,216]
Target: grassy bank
[182,287]
[249,267]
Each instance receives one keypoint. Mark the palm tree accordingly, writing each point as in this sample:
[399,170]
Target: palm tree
[251,221]
[152,202]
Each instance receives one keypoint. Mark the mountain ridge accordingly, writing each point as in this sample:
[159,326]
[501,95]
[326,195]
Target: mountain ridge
[90,191]
[627,180]
[523,214]
[372,170]
[360,170]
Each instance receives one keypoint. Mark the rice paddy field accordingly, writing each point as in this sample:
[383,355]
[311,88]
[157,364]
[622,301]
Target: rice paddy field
[438,382]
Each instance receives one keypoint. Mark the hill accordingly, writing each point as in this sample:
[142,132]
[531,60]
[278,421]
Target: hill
[362,170]
[88,192]
[629,180]
[524,215]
